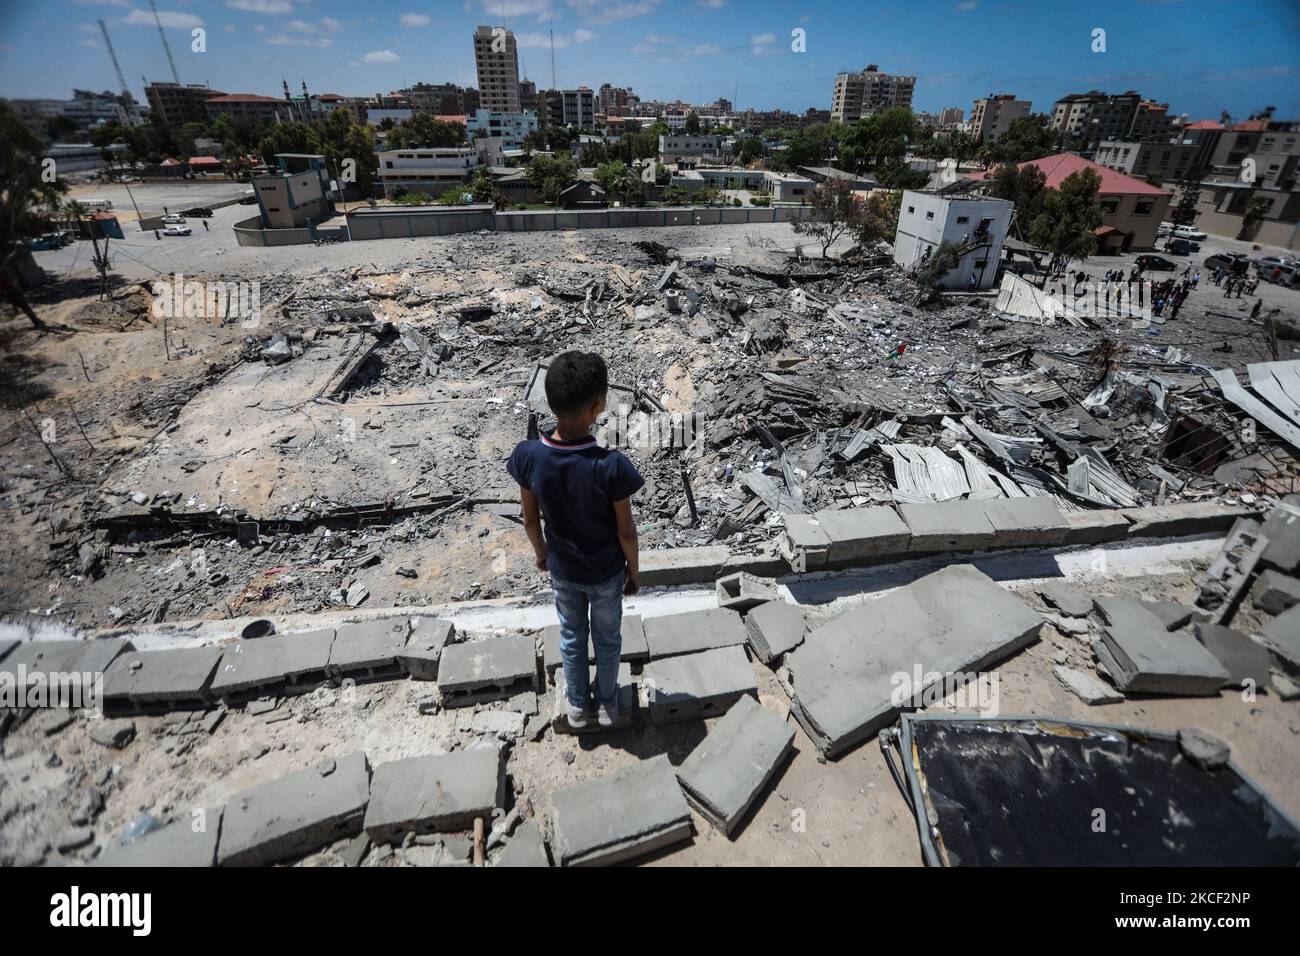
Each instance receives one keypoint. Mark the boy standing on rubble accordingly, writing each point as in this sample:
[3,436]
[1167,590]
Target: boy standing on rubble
[588,541]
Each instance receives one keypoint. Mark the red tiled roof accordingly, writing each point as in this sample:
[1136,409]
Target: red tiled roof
[1204,124]
[451,118]
[1063,165]
[170,161]
[204,161]
[246,98]
[1250,126]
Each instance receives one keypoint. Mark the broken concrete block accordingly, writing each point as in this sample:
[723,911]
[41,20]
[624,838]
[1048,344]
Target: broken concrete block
[423,650]
[368,650]
[1282,529]
[1173,615]
[179,677]
[187,842]
[1025,522]
[503,724]
[724,775]
[433,793]
[863,534]
[775,628]
[1274,592]
[695,686]
[526,847]
[297,661]
[766,562]
[740,591]
[805,545]
[1066,598]
[51,672]
[1202,750]
[296,814]
[479,671]
[1282,636]
[693,631]
[667,566]
[1095,527]
[1086,687]
[854,674]
[634,645]
[628,714]
[618,817]
[948,526]
[1243,658]
[112,733]
[1142,657]
[1183,519]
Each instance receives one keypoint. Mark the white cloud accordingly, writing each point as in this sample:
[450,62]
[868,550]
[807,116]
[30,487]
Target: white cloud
[516,9]
[102,3]
[284,39]
[713,4]
[381,56]
[651,41]
[608,11]
[965,5]
[271,7]
[331,25]
[92,43]
[562,40]
[704,49]
[168,18]
[300,26]
[415,19]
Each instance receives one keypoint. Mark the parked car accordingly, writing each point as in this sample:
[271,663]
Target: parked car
[66,237]
[1227,261]
[198,212]
[1156,264]
[248,200]
[175,219]
[1266,264]
[1165,229]
[177,231]
[47,241]
[1187,232]
[1182,247]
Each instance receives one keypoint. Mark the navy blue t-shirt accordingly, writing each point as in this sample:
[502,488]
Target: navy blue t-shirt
[576,484]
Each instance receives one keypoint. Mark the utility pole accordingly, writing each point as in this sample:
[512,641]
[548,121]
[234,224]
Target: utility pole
[168,50]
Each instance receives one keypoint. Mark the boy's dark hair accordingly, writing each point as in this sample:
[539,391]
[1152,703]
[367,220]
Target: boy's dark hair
[574,380]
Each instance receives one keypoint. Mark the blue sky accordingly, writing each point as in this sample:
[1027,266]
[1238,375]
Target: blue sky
[1201,56]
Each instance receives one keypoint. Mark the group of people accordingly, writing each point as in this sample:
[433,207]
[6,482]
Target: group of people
[1234,283]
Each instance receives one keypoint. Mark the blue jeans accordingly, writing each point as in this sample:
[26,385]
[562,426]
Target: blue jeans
[574,602]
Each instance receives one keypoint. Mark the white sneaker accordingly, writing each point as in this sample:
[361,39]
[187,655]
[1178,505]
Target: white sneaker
[577,716]
[605,716]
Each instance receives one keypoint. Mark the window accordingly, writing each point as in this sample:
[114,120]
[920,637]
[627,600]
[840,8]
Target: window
[1110,206]
[910,210]
[961,219]
[1144,207]
[929,214]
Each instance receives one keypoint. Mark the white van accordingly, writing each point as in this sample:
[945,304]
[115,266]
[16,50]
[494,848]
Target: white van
[96,203]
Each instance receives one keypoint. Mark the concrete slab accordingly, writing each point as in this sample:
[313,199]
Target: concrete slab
[863,534]
[669,566]
[177,844]
[178,676]
[295,661]
[1095,527]
[368,650]
[741,591]
[1273,592]
[628,705]
[766,561]
[490,669]
[295,814]
[527,847]
[948,526]
[693,631]
[1282,636]
[1244,658]
[775,628]
[423,650]
[695,686]
[618,817]
[1173,615]
[635,648]
[1282,528]
[1184,519]
[846,674]
[1025,522]
[59,668]
[1066,598]
[805,544]
[435,792]
[1142,657]
[1089,689]
[725,774]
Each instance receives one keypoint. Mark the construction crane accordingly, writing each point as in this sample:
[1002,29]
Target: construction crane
[121,80]
[168,50]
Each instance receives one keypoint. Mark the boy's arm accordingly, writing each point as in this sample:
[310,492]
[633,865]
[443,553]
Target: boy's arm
[627,541]
[533,525]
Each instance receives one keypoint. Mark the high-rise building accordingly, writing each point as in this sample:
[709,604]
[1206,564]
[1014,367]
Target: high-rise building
[1096,116]
[993,115]
[175,105]
[497,60]
[863,94]
[579,108]
[951,116]
[527,96]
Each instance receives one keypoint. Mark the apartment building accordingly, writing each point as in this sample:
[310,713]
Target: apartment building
[993,115]
[1153,124]
[431,171]
[297,195]
[1167,161]
[579,108]
[951,116]
[497,61]
[685,148]
[613,100]
[527,96]
[1096,116]
[253,107]
[1268,148]
[977,224]
[175,105]
[863,94]
[510,128]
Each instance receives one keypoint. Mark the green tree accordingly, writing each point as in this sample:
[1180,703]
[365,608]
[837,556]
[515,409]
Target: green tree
[1026,186]
[1256,209]
[879,218]
[837,211]
[484,188]
[1189,194]
[895,173]
[59,127]
[930,272]
[425,131]
[295,137]
[1067,225]
[674,194]
[876,140]
[692,124]
[751,149]
[340,138]
[26,200]
[1028,138]
[551,175]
